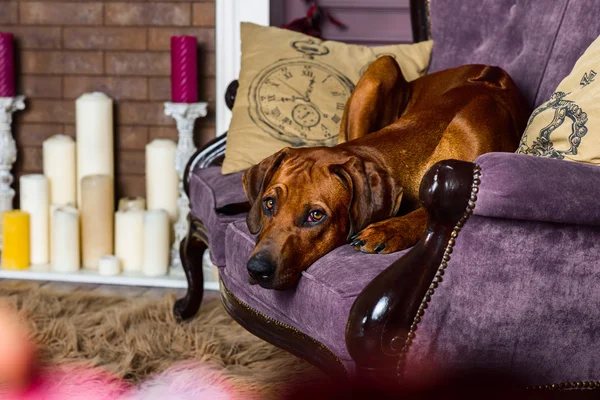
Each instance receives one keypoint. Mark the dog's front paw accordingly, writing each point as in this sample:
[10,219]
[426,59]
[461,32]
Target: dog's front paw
[382,237]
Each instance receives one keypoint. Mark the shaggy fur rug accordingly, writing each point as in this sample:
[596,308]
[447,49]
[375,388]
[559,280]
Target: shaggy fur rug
[133,338]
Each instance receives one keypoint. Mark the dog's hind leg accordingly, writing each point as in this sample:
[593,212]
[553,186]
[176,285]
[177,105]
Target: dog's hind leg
[393,234]
[379,98]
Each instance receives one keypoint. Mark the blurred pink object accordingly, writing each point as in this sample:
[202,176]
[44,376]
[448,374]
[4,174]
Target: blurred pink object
[7,65]
[184,381]
[184,69]
[73,383]
[190,380]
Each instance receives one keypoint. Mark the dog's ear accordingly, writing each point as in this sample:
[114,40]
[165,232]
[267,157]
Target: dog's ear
[353,175]
[375,196]
[386,192]
[255,180]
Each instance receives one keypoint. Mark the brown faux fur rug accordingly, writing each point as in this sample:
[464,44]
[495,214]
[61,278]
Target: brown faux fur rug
[134,338]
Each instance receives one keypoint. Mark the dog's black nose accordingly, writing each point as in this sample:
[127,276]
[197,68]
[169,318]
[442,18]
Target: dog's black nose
[260,268]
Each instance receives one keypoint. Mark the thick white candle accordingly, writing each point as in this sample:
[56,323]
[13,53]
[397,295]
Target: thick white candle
[97,208]
[65,239]
[94,125]
[34,200]
[156,242]
[129,239]
[53,208]
[161,177]
[59,168]
[210,271]
[109,265]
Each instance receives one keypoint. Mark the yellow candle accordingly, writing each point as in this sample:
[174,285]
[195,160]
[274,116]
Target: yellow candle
[15,236]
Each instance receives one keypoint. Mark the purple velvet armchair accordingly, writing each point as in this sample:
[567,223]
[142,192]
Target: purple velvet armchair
[506,275]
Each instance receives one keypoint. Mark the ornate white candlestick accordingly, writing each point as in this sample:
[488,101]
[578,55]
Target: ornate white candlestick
[185,114]
[8,151]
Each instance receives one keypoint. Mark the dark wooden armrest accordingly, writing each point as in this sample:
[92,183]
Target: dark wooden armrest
[213,152]
[382,321]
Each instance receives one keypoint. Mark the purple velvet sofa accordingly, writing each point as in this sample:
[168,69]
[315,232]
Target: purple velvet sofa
[506,275]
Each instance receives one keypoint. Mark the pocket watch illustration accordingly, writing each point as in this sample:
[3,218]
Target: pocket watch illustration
[283,100]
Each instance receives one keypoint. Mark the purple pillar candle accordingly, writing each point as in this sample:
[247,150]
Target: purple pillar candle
[184,69]
[7,65]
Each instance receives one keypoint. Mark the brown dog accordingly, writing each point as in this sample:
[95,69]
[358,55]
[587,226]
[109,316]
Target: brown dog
[306,202]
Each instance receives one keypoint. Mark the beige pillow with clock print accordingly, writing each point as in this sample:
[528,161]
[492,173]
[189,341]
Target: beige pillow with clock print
[293,89]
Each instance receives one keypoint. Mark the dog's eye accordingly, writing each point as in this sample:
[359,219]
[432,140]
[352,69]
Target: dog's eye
[269,203]
[315,216]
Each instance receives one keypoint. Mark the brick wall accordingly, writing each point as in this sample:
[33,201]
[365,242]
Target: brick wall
[66,48]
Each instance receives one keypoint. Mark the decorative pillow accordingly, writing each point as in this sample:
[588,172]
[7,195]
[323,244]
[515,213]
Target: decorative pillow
[567,125]
[293,89]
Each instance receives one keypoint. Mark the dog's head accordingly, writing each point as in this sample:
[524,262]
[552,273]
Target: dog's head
[306,202]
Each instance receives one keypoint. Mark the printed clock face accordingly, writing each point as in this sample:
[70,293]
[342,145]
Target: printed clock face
[283,102]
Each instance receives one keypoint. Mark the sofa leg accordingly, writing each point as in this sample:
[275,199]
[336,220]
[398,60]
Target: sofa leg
[191,249]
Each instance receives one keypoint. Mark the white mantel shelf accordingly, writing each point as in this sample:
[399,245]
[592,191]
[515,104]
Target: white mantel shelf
[42,273]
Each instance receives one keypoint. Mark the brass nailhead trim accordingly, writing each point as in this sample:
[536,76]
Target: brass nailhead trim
[588,385]
[226,292]
[438,278]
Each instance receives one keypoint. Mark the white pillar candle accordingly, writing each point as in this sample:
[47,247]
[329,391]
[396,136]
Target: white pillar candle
[109,265]
[132,203]
[59,168]
[51,210]
[34,200]
[97,208]
[129,239]
[161,177]
[156,243]
[94,126]
[65,239]
[210,271]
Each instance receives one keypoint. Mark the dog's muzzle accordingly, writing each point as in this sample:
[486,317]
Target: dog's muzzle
[261,268]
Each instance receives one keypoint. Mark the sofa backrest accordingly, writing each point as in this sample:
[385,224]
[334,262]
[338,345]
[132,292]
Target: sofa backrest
[537,42]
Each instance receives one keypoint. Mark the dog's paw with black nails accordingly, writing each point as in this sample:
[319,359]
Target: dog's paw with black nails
[381,237]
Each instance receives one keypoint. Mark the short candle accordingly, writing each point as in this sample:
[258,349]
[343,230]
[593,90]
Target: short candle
[129,239]
[34,200]
[15,234]
[156,243]
[109,265]
[65,239]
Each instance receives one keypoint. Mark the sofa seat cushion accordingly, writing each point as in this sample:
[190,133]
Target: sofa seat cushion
[209,191]
[319,306]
